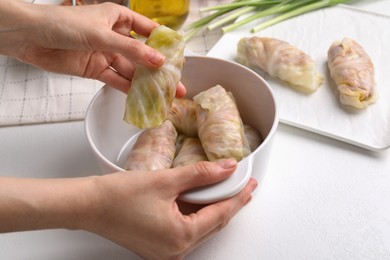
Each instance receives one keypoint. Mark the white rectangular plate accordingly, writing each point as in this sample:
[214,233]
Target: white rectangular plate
[321,111]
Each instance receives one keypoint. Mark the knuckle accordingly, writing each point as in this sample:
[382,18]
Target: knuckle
[134,45]
[109,6]
[136,50]
[203,170]
[243,198]
[226,216]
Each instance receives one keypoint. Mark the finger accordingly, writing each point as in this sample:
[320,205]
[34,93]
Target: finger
[124,67]
[221,212]
[119,39]
[201,174]
[127,69]
[132,49]
[123,20]
[125,28]
[114,79]
[140,24]
[180,90]
[212,218]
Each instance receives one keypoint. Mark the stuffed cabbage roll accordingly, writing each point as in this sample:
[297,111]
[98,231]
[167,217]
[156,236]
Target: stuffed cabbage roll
[220,127]
[280,59]
[353,72]
[253,137]
[179,142]
[183,116]
[191,151]
[152,90]
[154,149]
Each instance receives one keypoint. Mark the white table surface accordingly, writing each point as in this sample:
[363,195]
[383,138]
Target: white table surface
[320,199]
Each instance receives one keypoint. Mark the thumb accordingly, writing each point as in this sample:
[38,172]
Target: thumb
[202,174]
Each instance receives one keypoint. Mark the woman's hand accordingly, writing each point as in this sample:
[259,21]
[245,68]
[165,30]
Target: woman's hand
[137,209]
[90,41]
[140,211]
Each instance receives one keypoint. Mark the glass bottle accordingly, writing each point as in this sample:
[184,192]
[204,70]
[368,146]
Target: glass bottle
[171,13]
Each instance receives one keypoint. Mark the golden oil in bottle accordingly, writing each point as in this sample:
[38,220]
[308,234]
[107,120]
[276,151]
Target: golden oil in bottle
[171,13]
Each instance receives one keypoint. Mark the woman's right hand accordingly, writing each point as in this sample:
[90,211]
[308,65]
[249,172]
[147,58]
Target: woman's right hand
[139,210]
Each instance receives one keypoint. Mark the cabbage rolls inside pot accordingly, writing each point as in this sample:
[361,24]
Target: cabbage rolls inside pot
[183,116]
[154,149]
[220,127]
[253,137]
[179,142]
[353,72]
[280,59]
[191,151]
[152,90]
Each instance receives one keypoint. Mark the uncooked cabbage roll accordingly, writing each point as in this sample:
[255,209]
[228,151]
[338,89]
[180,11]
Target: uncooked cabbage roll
[353,72]
[220,127]
[183,116]
[191,151]
[280,59]
[152,90]
[253,137]
[154,149]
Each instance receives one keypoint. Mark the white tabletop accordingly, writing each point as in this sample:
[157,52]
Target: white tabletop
[320,199]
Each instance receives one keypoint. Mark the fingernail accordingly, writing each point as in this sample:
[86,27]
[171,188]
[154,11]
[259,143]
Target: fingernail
[227,164]
[180,90]
[155,57]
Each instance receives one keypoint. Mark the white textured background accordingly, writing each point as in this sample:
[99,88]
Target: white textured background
[321,198]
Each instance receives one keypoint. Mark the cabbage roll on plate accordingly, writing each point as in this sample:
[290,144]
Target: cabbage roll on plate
[353,72]
[281,60]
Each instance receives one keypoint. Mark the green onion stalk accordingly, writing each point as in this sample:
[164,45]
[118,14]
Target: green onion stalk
[225,16]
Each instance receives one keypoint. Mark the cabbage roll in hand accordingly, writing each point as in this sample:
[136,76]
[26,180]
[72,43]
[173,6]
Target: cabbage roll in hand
[183,116]
[154,149]
[280,59]
[191,151]
[220,127]
[353,72]
[152,90]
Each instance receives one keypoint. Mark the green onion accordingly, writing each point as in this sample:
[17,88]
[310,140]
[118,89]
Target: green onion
[231,17]
[240,4]
[278,10]
[205,20]
[296,12]
[282,7]
[197,26]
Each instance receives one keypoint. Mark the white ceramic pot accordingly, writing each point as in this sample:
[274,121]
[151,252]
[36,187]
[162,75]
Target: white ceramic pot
[107,133]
